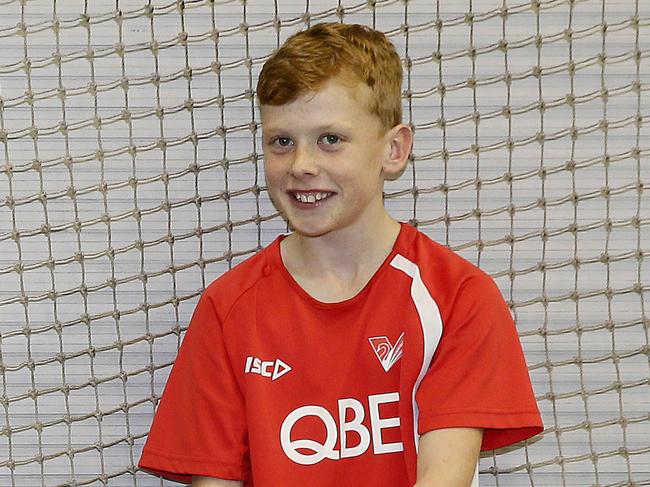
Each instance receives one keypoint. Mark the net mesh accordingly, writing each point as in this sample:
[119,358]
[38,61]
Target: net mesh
[130,177]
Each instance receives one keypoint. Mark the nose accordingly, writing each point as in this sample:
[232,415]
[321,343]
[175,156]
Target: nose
[304,162]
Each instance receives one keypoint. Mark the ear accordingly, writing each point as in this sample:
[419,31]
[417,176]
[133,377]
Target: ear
[400,143]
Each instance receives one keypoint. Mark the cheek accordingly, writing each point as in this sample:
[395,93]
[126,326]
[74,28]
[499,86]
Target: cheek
[272,172]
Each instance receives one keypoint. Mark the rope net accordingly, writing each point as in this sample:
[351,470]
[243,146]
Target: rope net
[131,177]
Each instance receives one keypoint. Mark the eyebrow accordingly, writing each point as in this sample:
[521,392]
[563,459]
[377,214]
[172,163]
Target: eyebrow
[319,128]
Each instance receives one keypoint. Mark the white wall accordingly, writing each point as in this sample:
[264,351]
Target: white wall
[36,326]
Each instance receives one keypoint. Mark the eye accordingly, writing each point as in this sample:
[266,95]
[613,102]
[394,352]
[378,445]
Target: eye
[281,141]
[331,139]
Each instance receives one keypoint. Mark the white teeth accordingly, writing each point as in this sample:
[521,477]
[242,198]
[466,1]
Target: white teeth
[311,197]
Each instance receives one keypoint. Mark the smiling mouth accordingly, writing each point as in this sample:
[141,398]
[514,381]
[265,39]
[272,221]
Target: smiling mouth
[310,196]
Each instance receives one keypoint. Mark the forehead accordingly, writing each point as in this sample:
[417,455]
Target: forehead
[336,102]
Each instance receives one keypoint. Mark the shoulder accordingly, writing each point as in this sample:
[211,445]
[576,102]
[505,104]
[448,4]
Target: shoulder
[234,284]
[446,274]
[436,261]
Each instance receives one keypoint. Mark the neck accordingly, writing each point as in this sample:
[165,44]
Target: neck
[346,255]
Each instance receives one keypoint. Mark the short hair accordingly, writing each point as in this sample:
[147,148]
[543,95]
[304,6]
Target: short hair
[313,56]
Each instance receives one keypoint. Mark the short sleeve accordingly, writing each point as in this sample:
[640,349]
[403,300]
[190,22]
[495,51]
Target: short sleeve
[199,427]
[478,376]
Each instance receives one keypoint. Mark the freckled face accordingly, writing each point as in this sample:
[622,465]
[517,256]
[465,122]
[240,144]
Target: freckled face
[323,156]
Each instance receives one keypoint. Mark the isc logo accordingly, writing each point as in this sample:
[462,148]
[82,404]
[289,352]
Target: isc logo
[273,369]
[307,451]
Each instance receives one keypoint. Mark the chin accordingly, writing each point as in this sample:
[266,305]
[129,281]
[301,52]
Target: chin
[309,231]
[314,228]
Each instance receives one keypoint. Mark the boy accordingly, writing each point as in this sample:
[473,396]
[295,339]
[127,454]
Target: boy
[354,351]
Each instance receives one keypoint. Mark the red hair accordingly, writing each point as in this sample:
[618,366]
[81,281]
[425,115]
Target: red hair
[311,57]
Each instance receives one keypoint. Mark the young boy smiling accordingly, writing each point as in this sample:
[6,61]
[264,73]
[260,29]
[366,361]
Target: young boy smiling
[354,351]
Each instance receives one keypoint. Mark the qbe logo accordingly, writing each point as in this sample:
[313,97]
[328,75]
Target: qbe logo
[338,428]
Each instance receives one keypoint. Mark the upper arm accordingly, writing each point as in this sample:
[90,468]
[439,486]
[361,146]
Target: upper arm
[478,376]
[201,381]
[200,481]
[447,457]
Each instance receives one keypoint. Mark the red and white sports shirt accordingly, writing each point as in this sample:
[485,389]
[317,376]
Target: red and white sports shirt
[275,388]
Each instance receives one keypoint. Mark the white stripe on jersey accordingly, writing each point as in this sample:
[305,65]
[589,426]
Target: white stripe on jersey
[431,326]
[431,323]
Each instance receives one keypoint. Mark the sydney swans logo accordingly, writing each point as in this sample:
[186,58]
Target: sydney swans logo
[387,353]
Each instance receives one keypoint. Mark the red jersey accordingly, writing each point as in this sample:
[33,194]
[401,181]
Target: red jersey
[276,388]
